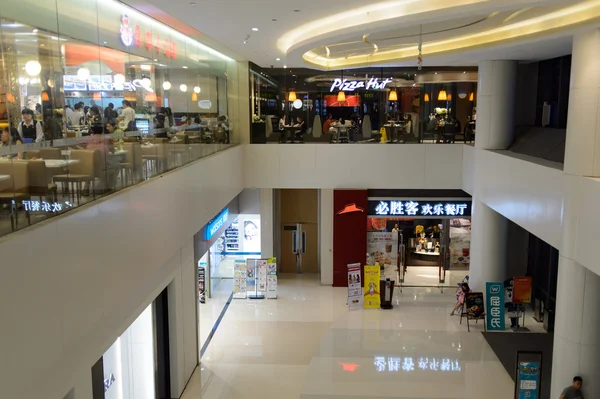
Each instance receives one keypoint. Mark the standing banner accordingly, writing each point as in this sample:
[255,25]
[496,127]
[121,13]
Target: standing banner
[494,306]
[372,299]
[251,276]
[355,298]
[528,380]
[239,279]
[383,249]
[522,287]
[272,278]
[261,276]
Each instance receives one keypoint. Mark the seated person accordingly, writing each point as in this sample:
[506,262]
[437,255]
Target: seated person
[300,127]
[327,124]
[10,137]
[282,122]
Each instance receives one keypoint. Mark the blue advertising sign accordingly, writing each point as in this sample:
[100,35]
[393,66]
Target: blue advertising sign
[528,383]
[215,225]
[494,306]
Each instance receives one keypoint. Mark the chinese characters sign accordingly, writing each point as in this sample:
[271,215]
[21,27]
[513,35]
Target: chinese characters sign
[408,364]
[494,306]
[420,208]
[44,206]
[132,36]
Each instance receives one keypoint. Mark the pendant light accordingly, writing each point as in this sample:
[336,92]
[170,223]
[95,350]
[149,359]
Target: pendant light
[341,95]
[449,96]
[393,95]
[194,96]
[292,96]
[471,96]
[442,96]
[426,98]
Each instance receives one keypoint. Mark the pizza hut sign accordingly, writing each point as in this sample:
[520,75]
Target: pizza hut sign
[351,85]
[132,36]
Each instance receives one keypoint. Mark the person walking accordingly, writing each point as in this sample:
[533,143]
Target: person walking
[573,391]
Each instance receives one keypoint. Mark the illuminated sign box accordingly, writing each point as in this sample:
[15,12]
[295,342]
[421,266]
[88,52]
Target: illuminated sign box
[419,208]
[215,225]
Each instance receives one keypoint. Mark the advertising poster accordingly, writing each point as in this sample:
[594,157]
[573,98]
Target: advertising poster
[494,306]
[251,275]
[372,299]
[383,248]
[239,279]
[522,289]
[249,233]
[460,243]
[475,306]
[528,384]
[355,298]
[261,275]
[272,278]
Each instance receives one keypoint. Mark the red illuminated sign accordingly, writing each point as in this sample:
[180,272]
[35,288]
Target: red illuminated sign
[350,208]
[133,37]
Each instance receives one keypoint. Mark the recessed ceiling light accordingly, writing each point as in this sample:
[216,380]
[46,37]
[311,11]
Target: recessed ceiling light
[245,42]
[464,71]
[277,59]
[184,67]
[155,60]
[255,29]
[35,31]
[285,66]
[436,73]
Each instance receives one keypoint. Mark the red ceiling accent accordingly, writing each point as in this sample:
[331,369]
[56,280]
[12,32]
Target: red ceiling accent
[77,54]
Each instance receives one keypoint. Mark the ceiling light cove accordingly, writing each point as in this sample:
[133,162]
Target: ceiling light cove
[533,23]
[373,13]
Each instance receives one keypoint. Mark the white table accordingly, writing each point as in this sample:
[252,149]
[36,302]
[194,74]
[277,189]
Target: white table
[59,163]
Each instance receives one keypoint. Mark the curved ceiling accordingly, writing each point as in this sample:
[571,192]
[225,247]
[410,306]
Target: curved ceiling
[329,35]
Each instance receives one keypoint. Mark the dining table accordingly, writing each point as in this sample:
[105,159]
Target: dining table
[59,163]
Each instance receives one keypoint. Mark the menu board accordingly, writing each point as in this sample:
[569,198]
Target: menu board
[522,287]
[475,305]
[383,249]
[239,279]
[272,278]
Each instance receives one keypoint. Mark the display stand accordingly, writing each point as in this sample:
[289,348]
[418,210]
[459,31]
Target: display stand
[257,278]
[239,282]
[272,278]
[473,309]
[201,285]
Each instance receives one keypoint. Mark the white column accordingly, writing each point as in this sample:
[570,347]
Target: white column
[326,213]
[496,104]
[488,246]
[577,321]
[266,223]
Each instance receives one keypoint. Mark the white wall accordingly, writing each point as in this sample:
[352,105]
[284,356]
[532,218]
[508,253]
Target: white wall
[249,201]
[530,194]
[353,166]
[73,284]
[468,168]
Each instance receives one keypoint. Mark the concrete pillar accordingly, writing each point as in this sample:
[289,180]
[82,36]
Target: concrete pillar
[489,233]
[496,104]
[495,131]
[577,322]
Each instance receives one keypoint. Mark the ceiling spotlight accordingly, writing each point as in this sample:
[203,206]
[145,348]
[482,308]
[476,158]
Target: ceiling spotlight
[285,66]
[254,29]
[245,42]
[277,59]
[184,67]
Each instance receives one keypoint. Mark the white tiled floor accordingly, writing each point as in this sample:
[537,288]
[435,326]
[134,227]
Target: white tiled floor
[306,344]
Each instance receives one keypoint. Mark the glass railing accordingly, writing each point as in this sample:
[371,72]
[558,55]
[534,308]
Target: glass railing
[399,132]
[46,179]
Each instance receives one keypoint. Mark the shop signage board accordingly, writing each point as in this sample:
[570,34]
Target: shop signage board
[494,307]
[239,279]
[355,298]
[272,278]
[423,208]
[522,287]
[215,224]
[132,36]
[351,85]
[528,380]
[382,247]
[44,206]
[372,298]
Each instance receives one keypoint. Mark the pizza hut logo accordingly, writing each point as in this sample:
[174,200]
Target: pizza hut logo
[350,208]
[126,31]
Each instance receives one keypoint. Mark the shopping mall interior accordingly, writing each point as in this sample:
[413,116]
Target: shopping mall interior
[190,207]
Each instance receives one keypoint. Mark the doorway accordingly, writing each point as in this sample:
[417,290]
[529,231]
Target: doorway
[299,230]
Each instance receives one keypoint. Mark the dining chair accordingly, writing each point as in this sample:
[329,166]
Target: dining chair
[83,171]
[40,183]
[133,163]
[16,190]
[50,153]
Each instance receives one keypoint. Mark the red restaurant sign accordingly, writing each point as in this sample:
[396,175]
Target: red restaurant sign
[133,36]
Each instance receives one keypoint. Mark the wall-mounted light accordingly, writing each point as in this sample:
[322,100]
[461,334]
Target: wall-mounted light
[442,96]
